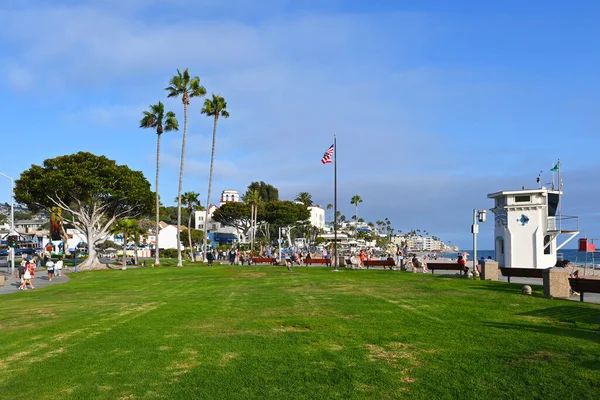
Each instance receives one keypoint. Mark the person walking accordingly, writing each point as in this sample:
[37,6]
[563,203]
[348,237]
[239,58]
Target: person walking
[50,270]
[29,274]
[58,267]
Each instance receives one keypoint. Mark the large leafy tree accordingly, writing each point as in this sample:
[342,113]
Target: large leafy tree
[168,214]
[355,200]
[156,118]
[92,190]
[267,192]
[305,198]
[192,202]
[285,214]
[235,214]
[187,87]
[215,108]
[195,237]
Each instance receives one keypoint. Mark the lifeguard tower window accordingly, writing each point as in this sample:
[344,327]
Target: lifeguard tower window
[553,199]
[523,199]
[546,246]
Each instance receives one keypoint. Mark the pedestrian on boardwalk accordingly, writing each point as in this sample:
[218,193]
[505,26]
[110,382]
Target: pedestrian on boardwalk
[58,267]
[50,270]
[362,258]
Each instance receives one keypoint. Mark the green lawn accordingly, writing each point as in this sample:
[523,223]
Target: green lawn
[261,332]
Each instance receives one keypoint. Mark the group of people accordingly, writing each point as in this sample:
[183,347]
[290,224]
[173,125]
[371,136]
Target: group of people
[26,270]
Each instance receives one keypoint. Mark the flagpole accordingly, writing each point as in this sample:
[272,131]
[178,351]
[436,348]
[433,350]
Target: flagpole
[559,195]
[335,256]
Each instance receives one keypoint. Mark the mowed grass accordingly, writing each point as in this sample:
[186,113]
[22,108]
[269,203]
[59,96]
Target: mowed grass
[261,332]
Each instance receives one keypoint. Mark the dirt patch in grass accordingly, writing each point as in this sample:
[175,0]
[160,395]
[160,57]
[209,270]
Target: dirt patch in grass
[252,274]
[292,328]
[227,357]
[391,354]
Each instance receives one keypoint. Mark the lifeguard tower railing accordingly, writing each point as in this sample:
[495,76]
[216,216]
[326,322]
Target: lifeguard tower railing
[563,224]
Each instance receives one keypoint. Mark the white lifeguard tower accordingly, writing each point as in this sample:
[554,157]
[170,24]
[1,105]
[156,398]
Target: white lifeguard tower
[527,225]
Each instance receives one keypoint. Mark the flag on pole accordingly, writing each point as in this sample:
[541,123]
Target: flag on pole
[555,168]
[327,156]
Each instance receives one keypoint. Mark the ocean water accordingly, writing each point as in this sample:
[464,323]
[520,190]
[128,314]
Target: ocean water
[572,255]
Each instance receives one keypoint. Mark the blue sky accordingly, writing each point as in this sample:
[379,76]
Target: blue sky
[435,103]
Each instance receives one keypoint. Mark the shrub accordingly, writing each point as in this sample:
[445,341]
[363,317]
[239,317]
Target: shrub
[168,253]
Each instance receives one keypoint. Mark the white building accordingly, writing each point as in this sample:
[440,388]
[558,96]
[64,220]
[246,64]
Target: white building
[167,237]
[317,216]
[229,195]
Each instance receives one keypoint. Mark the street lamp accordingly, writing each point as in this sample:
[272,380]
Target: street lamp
[478,215]
[12,220]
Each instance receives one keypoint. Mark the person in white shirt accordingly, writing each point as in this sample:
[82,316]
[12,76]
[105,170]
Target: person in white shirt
[58,267]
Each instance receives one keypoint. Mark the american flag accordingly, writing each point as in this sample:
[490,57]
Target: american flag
[327,156]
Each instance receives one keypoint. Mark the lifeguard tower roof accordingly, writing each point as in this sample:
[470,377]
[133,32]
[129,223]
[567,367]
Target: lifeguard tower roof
[505,193]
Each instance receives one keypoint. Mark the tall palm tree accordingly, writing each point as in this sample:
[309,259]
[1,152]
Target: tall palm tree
[215,107]
[192,202]
[157,119]
[329,207]
[126,227]
[186,87]
[355,200]
[253,198]
[305,198]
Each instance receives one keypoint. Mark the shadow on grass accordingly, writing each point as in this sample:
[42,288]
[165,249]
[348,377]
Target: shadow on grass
[567,314]
[566,331]
[513,288]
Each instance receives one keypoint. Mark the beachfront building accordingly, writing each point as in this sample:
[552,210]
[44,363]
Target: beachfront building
[229,195]
[527,224]
[167,236]
[29,225]
[317,216]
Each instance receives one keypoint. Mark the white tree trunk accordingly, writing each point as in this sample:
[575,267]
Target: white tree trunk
[185,123]
[157,228]
[212,161]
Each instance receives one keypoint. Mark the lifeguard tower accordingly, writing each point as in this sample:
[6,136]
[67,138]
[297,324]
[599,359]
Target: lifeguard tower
[527,225]
[592,254]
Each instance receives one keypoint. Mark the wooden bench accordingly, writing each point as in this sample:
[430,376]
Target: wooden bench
[452,266]
[380,263]
[522,272]
[264,260]
[326,261]
[583,285]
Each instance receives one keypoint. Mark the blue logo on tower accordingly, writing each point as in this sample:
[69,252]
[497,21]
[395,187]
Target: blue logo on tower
[523,220]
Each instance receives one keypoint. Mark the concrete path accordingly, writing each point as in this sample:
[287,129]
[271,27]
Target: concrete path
[39,280]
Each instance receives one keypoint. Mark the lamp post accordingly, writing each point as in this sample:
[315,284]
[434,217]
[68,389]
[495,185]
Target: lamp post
[478,215]
[12,220]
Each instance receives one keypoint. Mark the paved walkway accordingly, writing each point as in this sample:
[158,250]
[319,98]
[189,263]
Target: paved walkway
[39,280]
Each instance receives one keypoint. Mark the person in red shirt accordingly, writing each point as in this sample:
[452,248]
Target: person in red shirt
[362,258]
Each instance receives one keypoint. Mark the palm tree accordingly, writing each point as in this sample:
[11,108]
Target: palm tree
[191,200]
[355,200]
[329,207]
[126,227]
[137,233]
[186,87]
[157,119]
[215,107]
[253,198]
[304,198]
